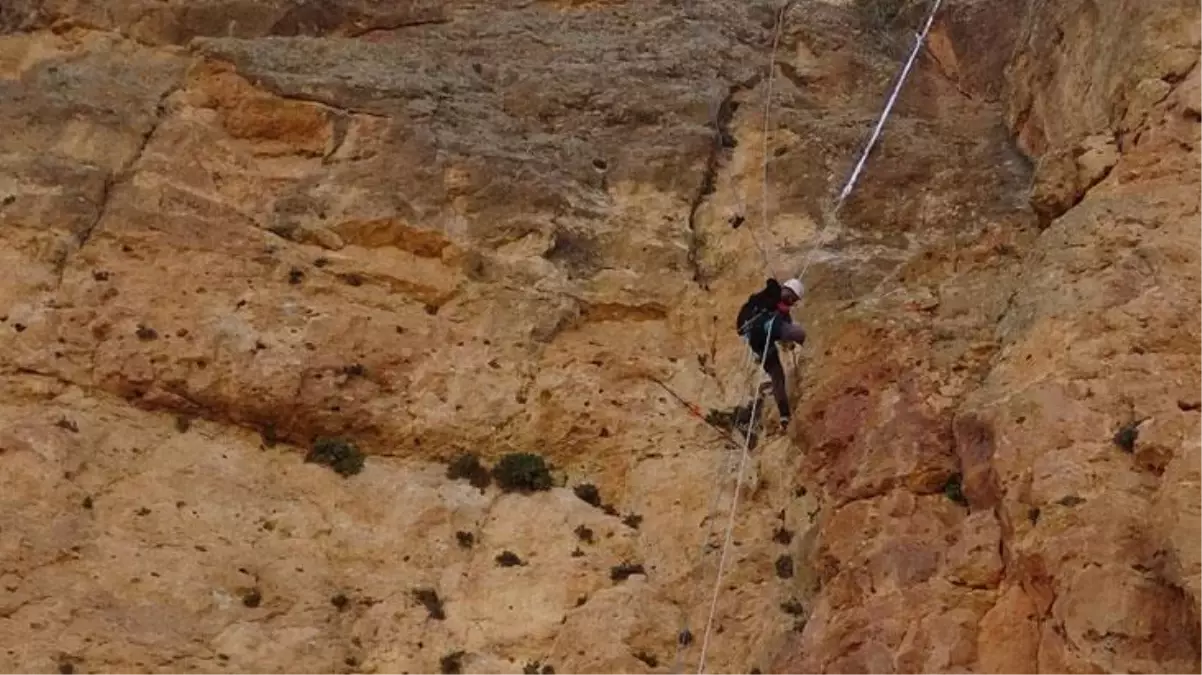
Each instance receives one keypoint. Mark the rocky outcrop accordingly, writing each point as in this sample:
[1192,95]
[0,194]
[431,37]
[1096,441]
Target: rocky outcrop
[469,236]
[439,228]
[1105,335]
[1075,425]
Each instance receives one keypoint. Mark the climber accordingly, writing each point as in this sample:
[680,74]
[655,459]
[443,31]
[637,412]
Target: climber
[763,321]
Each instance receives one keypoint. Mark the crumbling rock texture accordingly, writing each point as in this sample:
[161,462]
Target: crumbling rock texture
[427,228]
[1070,554]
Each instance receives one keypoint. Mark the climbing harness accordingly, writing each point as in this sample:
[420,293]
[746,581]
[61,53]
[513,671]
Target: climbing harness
[684,638]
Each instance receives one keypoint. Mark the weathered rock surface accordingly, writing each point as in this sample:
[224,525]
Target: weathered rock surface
[1067,559]
[431,228]
[468,236]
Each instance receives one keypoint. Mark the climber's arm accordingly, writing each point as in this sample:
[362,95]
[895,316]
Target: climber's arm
[792,332]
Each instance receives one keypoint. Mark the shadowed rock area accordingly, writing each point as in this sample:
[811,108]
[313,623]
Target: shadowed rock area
[290,283]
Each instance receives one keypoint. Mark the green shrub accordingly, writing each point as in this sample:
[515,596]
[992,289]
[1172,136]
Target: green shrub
[953,490]
[468,466]
[522,472]
[339,454]
[1126,436]
[720,418]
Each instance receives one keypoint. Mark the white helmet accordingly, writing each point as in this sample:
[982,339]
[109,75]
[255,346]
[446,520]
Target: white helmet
[796,286]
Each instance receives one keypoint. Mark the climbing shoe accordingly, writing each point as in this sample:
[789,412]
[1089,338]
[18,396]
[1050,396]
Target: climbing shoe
[784,425]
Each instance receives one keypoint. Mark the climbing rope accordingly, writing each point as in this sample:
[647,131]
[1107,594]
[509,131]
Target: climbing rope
[734,506]
[765,220]
[683,636]
[849,185]
[829,218]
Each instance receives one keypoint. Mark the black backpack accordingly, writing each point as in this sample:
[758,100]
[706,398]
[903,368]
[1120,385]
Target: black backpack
[757,304]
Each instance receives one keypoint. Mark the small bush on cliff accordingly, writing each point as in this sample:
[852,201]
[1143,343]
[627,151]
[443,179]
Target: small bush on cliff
[737,419]
[588,493]
[953,490]
[584,533]
[722,419]
[340,601]
[784,567]
[508,559]
[428,598]
[1126,436]
[339,454]
[468,466]
[522,472]
[451,663]
[625,571]
[647,658]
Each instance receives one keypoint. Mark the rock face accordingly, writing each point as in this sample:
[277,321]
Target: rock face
[433,228]
[1068,423]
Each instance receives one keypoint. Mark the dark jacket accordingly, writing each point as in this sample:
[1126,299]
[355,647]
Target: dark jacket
[757,305]
[758,313]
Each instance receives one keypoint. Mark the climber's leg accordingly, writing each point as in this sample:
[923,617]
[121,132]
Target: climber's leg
[776,371]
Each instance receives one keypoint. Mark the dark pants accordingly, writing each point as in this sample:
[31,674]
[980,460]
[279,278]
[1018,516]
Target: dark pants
[758,337]
[776,371]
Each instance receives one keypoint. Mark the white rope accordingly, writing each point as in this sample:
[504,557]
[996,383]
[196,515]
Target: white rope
[829,218]
[715,495]
[765,220]
[680,641]
[876,132]
[734,508]
[848,186]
